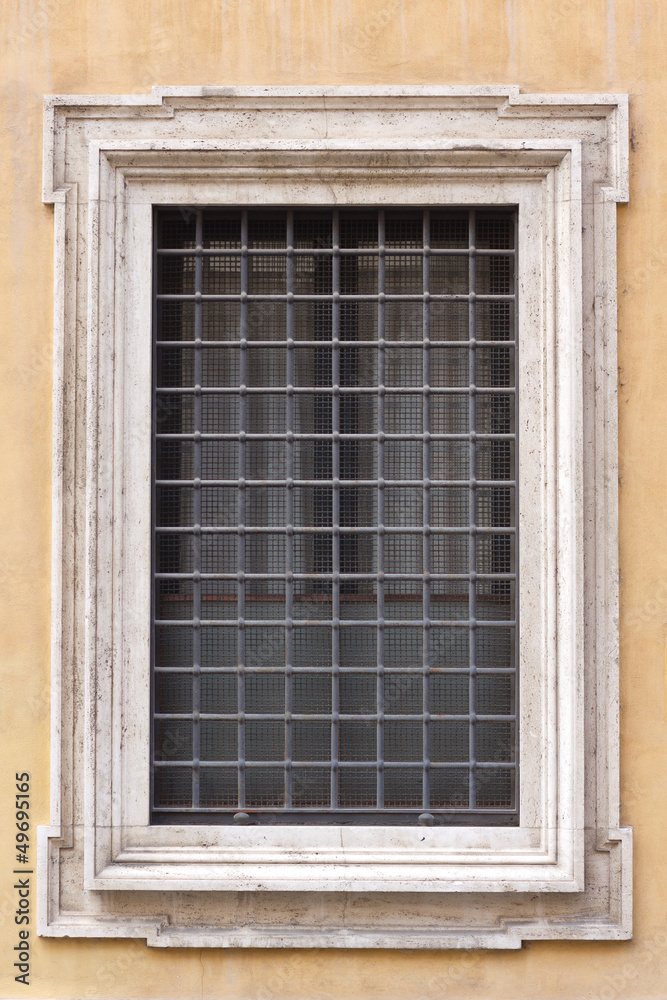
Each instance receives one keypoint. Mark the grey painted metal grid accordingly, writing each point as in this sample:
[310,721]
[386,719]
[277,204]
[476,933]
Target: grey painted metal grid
[335,535]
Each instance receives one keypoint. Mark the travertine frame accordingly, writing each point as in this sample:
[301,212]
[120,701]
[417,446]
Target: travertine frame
[566,871]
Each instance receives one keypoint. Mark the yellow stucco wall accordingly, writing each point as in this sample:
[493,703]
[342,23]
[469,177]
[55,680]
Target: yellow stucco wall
[122,46]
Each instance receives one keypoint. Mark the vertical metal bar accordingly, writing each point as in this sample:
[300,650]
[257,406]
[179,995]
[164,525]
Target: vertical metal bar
[381,508]
[154,583]
[472,514]
[289,582]
[426,502]
[197,510]
[514,587]
[242,510]
[335,590]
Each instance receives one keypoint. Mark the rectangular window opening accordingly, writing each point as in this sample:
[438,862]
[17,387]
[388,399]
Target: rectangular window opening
[335,550]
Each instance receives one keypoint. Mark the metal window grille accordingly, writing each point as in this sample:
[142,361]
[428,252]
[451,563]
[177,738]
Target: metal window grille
[335,533]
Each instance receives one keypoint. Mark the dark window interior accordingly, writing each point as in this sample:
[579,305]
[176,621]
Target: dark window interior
[335,530]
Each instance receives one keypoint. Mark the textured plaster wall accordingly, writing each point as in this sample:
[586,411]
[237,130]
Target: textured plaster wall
[122,46]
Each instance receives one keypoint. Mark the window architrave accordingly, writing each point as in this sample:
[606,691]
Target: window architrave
[549,179]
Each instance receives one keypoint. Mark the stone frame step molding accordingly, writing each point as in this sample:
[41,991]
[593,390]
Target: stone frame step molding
[565,871]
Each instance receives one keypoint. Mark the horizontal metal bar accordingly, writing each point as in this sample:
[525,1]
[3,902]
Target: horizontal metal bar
[383,576]
[334,297]
[316,622]
[342,482]
[324,716]
[240,530]
[319,344]
[350,483]
[470,529]
[284,252]
[392,764]
[296,816]
[337,390]
[294,436]
[413,671]
[206,436]
[360,577]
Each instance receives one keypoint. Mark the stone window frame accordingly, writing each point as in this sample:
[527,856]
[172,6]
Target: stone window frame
[563,161]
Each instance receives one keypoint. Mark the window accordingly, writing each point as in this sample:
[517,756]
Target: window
[495,813]
[335,609]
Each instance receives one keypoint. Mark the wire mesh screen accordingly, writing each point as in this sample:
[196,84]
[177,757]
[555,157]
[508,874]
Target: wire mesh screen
[335,531]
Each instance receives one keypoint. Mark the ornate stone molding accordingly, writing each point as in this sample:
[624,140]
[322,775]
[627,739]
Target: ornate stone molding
[567,872]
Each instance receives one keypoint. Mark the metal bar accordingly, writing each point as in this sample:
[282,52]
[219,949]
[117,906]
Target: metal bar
[342,764]
[361,716]
[514,330]
[241,553]
[289,581]
[472,542]
[342,482]
[274,344]
[394,623]
[261,390]
[197,516]
[389,297]
[335,585]
[343,576]
[426,513]
[344,437]
[381,511]
[343,670]
[155,586]
[325,252]
[388,530]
